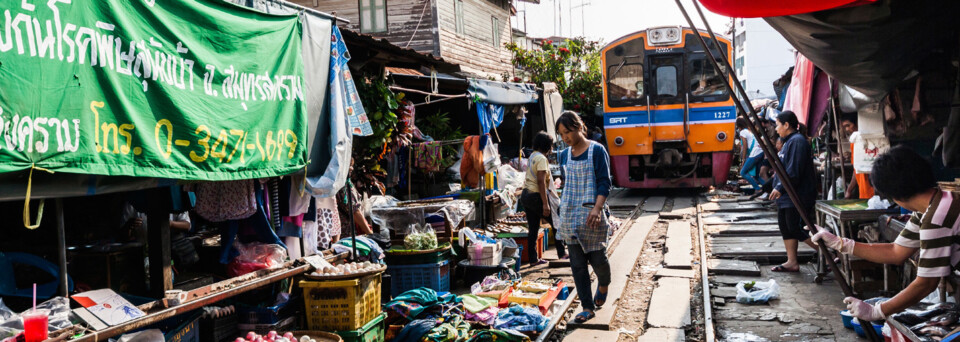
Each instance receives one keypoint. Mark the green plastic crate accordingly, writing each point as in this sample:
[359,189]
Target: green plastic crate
[416,259]
[371,332]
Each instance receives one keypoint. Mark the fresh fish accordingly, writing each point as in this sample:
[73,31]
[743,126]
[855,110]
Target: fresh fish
[908,318]
[934,331]
[945,319]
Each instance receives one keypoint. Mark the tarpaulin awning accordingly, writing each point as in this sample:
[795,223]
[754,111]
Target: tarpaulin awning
[502,93]
[767,8]
[871,48]
[177,89]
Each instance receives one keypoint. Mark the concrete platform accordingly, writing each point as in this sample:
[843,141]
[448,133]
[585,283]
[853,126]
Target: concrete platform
[670,304]
[591,335]
[733,267]
[805,311]
[654,204]
[662,335]
[679,246]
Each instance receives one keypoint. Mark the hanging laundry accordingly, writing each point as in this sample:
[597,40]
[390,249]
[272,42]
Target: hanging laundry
[919,116]
[471,166]
[429,156]
[819,102]
[801,86]
[892,109]
[328,221]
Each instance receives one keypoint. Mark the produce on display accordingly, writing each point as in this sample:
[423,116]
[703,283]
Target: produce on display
[347,269]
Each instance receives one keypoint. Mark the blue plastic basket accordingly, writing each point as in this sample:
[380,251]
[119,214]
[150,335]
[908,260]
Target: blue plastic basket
[434,276]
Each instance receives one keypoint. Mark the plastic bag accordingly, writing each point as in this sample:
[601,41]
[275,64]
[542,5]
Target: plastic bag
[254,257]
[421,238]
[757,292]
[510,177]
[866,150]
[491,157]
[11,324]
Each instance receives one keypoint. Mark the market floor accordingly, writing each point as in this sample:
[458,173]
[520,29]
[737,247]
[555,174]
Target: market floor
[805,311]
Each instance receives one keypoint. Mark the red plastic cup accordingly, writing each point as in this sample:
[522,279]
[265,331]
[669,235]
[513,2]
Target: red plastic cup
[35,325]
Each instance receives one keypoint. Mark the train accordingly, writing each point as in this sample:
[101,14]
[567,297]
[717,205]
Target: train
[669,121]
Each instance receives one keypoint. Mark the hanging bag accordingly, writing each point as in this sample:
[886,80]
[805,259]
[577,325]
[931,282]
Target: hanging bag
[866,149]
[224,201]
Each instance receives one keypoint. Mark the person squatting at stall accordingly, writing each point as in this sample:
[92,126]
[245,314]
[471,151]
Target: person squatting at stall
[797,159]
[534,198]
[907,178]
[586,179]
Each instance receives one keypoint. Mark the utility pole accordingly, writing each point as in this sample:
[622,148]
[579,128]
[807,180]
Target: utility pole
[583,18]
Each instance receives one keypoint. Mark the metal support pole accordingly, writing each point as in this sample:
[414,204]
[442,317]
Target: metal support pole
[836,121]
[353,225]
[767,147]
[62,250]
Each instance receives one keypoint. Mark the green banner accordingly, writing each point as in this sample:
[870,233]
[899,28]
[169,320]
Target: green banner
[181,89]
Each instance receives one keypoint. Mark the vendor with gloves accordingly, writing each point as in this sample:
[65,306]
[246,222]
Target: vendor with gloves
[904,176]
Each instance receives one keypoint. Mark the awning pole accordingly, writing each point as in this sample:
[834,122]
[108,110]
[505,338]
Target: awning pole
[62,250]
[767,147]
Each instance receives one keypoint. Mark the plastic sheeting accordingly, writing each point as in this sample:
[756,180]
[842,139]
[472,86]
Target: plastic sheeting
[387,212]
[801,85]
[870,48]
[502,93]
[10,323]
[767,8]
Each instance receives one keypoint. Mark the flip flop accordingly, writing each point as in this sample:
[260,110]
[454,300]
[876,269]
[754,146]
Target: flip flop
[600,298]
[583,317]
[780,268]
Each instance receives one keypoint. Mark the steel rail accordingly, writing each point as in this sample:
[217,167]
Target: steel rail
[766,146]
[709,333]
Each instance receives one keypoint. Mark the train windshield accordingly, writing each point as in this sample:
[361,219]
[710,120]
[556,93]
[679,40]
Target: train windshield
[625,85]
[703,81]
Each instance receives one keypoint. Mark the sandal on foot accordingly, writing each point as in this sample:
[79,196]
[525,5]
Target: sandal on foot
[599,298]
[781,268]
[583,317]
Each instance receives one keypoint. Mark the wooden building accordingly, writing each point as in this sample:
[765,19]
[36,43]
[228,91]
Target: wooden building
[471,33]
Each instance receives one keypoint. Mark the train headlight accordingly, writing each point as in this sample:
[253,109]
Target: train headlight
[722,136]
[664,35]
[618,141]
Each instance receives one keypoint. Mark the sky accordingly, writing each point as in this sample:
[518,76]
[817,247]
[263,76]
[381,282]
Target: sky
[606,20]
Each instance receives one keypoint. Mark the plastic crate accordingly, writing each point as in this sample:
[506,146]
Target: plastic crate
[435,276]
[417,259]
[219,329]
[373,331]
[188,331]
[341,304]
[266,315]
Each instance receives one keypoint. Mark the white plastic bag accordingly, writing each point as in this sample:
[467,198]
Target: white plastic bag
[760,292]
[491,157]
[866,149]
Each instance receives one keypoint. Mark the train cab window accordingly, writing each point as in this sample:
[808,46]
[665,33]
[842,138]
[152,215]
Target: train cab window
[667,81]
[704,82]
[624,65]
[626,83]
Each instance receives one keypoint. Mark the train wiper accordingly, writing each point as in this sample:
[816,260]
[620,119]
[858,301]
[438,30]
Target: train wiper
[620,66]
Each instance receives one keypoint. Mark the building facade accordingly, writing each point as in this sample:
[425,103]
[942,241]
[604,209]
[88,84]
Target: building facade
[471,33]
[761,55]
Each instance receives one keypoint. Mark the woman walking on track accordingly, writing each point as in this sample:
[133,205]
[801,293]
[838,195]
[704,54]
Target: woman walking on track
[586,179]
[536,189]
[797,159]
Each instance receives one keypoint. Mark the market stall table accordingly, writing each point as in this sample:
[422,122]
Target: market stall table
[847,213]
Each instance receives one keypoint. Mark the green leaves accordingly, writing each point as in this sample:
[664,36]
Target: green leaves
[574,65]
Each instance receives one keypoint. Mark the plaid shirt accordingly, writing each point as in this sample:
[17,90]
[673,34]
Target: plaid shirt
[579,188]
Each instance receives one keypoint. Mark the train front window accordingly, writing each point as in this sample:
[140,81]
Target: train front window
[704,80]
[624,74]
[667,81]
[625,83]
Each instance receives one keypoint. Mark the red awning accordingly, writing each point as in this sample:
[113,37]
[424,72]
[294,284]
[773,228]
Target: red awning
[767,8]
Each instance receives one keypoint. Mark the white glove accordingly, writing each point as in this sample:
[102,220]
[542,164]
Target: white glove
[864,311]
[842,245]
